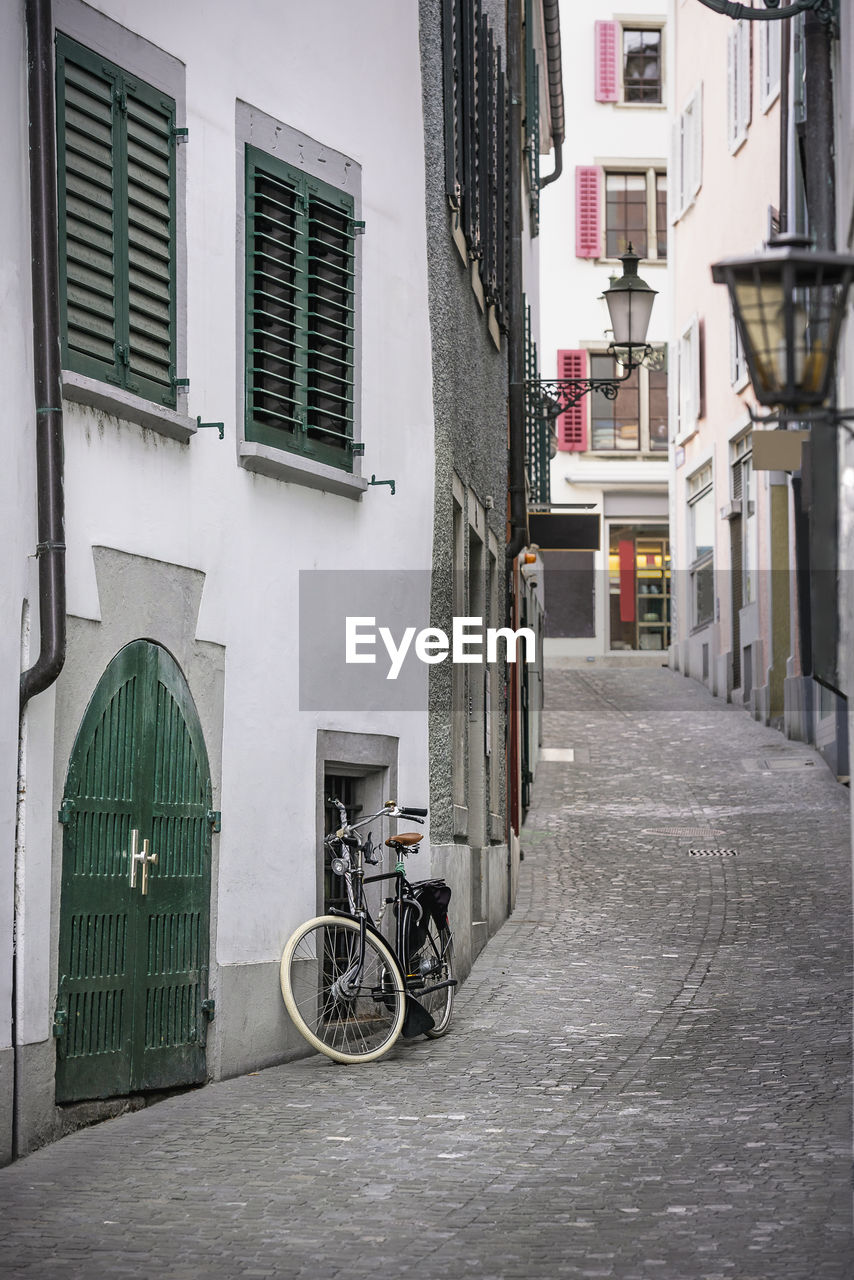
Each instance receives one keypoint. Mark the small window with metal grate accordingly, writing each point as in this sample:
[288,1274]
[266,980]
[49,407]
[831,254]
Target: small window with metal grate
[300,312]
[116,140]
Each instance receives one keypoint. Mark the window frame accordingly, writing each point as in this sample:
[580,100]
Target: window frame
[741,489]
[651,172]
[644,449]
[319,166]
[700,486]
[739,83]
[688,383]
[639,24]
[770,69]
[686,161]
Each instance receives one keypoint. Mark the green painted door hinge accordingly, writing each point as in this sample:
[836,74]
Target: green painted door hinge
[65,811]
[209,1009]
[214,817]
[60,1021]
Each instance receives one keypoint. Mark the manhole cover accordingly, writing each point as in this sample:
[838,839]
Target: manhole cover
[712,853]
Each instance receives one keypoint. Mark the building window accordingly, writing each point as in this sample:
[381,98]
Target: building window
[628,63]
[641,64]
[116,142]
[689,379]
[701,545]
[744,494]
[738,363]
[300,312]
[686,167]
[476,119]
[634,422]
[769,63]
[636,213]
[738,83]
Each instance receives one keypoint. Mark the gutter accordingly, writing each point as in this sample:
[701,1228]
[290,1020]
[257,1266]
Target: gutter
[551,21]
[516,478]
[47,377]
[47,383]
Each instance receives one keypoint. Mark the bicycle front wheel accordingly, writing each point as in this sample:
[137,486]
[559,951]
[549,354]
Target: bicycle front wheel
[429,964]
[347,1004]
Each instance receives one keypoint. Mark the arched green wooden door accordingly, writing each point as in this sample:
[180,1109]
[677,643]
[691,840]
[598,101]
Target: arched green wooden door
[134,934]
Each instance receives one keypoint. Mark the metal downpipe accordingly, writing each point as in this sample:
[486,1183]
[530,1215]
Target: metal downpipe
[516,328]
[47,383]
[551,21]
[47,378]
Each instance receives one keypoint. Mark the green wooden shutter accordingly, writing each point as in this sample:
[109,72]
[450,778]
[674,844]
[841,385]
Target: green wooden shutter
[275,305]
[86,174]
[300,312]
[116,194]
[150,212]
[331,314]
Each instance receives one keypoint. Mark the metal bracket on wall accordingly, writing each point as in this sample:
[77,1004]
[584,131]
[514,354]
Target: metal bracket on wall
[390,483]
[214,817]
[220,426]
[826,10]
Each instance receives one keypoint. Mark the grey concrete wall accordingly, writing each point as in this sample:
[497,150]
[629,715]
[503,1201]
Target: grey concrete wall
[469,397]
[7,1068]
[256,1030]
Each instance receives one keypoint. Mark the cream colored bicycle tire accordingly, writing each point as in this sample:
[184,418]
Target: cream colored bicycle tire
[374,944]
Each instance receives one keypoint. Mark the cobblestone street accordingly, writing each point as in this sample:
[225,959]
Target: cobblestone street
[648,1075]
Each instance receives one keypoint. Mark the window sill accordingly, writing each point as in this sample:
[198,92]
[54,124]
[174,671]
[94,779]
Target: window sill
[641,106]
[685,436]
[291,467]
[79,389]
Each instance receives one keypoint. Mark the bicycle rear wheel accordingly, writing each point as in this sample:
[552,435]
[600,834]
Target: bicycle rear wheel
[432,962]
[351,1011]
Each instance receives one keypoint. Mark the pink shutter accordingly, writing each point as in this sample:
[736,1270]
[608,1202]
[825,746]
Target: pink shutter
[588,213]
[606,40]
[572,425]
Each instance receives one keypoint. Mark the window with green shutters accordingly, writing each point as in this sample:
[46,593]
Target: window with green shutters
[116,188]
[300,312]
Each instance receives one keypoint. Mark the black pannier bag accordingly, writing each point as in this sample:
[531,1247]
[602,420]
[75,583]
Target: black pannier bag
[432,897]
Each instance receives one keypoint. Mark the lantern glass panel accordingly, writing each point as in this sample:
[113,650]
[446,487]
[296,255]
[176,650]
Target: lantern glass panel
[630,310]
[760,307]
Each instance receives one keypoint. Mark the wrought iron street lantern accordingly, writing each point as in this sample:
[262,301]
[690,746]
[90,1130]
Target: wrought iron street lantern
[629,300]
[789,304]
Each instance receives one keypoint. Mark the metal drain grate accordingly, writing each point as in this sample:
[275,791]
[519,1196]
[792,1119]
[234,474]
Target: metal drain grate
[704,833]
[713,853]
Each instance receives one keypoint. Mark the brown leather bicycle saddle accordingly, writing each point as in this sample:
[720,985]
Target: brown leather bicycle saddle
[405,838]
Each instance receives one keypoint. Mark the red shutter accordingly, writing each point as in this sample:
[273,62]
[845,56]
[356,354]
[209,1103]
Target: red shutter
[627,581]
[607,41]
[588,219]
[572,425]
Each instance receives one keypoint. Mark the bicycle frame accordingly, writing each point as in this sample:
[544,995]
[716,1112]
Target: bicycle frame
[355,880]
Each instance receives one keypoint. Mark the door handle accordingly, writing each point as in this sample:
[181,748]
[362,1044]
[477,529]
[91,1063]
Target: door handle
[138,855]
[135,856]
[148,859]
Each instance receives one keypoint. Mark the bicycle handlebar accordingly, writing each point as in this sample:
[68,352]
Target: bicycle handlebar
[389,810]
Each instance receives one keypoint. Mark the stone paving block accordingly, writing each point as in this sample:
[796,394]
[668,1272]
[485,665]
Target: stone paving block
[648,1074]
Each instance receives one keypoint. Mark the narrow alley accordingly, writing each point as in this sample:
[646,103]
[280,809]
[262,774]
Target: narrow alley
[648,1075]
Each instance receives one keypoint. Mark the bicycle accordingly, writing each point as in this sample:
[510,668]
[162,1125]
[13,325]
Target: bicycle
[349,991]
